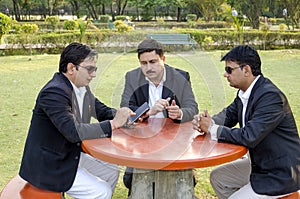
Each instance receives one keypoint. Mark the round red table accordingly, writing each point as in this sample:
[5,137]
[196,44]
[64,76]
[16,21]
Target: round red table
[162,146]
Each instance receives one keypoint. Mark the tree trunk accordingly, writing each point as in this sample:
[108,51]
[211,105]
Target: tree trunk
[178,14]
[123,7]
[16,10]
[92,10]
[137,13]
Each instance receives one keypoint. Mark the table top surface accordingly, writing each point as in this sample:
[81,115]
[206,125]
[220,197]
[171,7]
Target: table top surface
[161,144]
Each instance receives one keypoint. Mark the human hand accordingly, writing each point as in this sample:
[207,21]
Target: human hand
[144,116]
[201,122]
[159,106]
[196,122]
[121,117]
[174,110]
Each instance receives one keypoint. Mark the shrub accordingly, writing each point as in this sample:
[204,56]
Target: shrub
[52,21]
[121,26]
[5,24]
[29,28]
[272,20]
[207,40]
[83,26]
[282,27]
[191,17]
[70,24]
[104,18]
[120,17]
[15,27]
[160,20]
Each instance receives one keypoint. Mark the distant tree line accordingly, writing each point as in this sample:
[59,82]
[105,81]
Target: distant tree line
[146,10]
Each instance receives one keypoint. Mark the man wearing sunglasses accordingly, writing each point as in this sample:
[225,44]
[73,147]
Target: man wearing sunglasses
[267,129]
[53,159]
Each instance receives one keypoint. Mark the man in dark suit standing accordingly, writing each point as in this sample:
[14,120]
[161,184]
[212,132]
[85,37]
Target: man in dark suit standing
[167,90]
[53,159]
[267,129]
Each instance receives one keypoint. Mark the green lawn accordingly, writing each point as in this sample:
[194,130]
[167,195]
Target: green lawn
[22,79]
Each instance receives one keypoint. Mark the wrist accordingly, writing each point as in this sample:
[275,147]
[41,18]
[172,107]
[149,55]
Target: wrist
[113,125]
[212,123]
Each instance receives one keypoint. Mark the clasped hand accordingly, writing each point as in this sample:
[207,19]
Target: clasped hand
[201,122]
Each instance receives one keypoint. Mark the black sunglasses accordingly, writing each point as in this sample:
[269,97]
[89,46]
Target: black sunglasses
[229,69]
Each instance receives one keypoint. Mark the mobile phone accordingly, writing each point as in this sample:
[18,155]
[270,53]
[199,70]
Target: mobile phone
[139,112]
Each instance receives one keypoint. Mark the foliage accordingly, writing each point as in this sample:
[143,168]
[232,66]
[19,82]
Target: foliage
[252,9]
[207,41]
[83,26]
[121,26]
[120,17]
[70,24]
[265,29]
[282,27]
[29,28]
[104,18]
[5,24]
[160,20]
[293,7]
[191,17]
[15,27]
[272,20]
[52,21]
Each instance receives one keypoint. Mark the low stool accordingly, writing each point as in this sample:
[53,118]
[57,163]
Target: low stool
[18,188]
[295,195]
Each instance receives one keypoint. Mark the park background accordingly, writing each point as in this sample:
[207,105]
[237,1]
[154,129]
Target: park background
[33,33]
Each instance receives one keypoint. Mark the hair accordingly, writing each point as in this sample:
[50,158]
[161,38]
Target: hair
[149,45]
[245,55]
[75,53]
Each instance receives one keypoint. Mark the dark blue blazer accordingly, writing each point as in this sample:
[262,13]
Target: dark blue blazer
[177,86]
[271,136]
[53,145]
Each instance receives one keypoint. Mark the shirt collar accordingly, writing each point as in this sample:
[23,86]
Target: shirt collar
[78,91]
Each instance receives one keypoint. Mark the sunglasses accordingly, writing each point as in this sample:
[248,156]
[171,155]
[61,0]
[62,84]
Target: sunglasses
[90,69]
[229,69]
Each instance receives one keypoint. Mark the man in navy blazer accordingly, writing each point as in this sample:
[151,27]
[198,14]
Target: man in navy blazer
[53,159]
[267,129]
[167,90]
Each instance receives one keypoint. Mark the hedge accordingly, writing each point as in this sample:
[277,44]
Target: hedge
[107,40]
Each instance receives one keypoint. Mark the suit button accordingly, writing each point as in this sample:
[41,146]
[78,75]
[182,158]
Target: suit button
[78,144]
[76,158]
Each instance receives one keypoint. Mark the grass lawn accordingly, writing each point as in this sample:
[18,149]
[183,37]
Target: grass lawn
[22,79]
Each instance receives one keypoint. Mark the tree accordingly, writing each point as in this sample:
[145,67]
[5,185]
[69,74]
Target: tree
[5,24]
[17,10]
[292,7]
[208,8]
[251,8]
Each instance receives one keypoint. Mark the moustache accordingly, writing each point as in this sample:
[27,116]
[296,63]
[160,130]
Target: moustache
[150,71]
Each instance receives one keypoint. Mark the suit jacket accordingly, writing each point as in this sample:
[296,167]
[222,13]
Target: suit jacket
[270,133]
[53,145]
[177,86]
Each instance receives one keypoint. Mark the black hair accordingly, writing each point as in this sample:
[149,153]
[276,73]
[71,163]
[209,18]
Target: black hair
[149,45]
[75,53]
[245,55]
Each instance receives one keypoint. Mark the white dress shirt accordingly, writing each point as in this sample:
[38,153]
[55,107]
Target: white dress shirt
[244,96]
[155,93]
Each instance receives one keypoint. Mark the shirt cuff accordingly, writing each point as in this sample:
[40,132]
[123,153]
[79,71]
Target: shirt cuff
[213,132]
